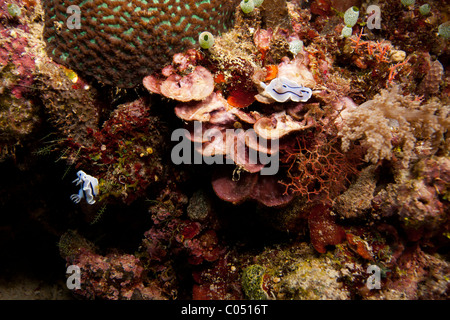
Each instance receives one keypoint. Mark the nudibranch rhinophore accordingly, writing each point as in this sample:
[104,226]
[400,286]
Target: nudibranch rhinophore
[89,188]
[282,89]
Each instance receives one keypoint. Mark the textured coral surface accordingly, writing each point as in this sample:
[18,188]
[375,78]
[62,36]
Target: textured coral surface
[119,42]
[208,185]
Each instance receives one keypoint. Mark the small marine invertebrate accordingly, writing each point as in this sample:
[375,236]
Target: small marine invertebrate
[371,53]
[119,42]
[206,40]
[282,89]
[346,32]
[14,10]
[247,6]
[317,169]
[295,46]
[408,3]
[393,70]
[425,9]
[88,189]
[444,30]
[351,16]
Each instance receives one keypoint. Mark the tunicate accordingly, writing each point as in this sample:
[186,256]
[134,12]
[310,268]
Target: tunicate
[206,40]
[14,9]
[407,3]
[424,9]
[247,6]
[351,16]
[257,3]
[444,30]
[295,46]
[346,32]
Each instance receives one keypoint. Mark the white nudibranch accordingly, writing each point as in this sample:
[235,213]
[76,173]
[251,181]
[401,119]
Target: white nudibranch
[88,190]
[282,89]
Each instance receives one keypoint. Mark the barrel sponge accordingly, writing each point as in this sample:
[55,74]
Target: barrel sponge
[120,41]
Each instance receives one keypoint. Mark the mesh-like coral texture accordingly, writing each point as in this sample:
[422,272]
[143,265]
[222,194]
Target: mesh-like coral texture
[121,41]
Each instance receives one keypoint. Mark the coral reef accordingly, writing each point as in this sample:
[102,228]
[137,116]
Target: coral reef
[125,143]
[19,110]
[114,276]
[301,154]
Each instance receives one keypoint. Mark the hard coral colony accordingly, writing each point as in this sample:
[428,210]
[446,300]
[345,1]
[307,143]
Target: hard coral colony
[231,149]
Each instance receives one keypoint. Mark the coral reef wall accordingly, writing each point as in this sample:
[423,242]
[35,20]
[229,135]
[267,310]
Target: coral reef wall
[291,155]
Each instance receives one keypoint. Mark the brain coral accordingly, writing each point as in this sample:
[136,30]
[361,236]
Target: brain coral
[121,41]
